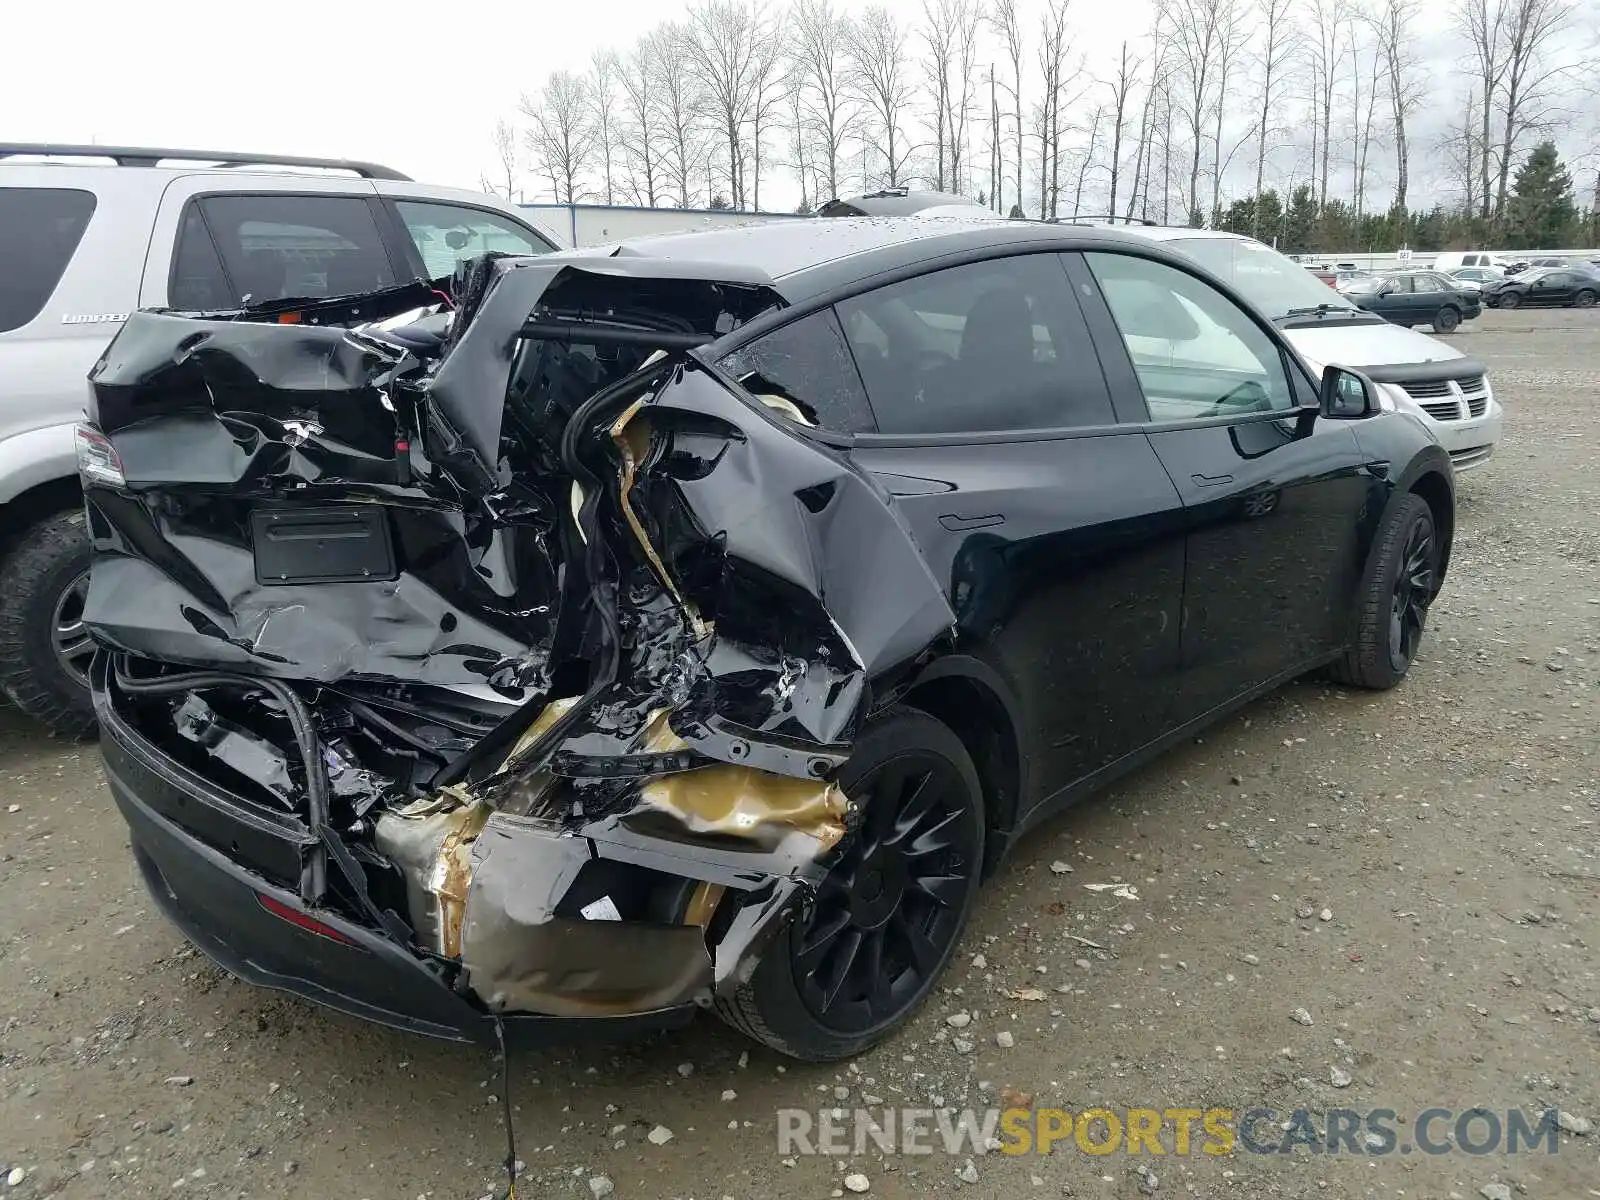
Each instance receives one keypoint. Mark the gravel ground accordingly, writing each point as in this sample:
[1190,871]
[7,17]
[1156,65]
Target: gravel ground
[1417,871]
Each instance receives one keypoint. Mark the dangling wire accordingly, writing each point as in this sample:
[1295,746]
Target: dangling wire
[505,1108]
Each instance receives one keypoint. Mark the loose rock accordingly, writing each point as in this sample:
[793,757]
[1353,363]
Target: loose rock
[601,1186]
[1060,868]
[958,1020]
[1339,1077]
[15,1176]
[856,1183]
[968,1173]
[659,1136]
[1300,1017]
[1495,1191]
[1004,1040]
[1581,1126]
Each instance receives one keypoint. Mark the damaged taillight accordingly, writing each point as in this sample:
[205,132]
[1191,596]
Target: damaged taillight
[305,921]
[98,461]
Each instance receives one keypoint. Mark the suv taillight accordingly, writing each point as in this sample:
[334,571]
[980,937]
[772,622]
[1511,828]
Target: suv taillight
[98,461]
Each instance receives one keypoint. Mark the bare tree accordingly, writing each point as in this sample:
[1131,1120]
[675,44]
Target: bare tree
[1396,47]
[638,132]
[1279,42]
[678,114]
[505,153]
[561,132]
[1121,87]
[1009,29]
[1057,75]
[1532,27]
[1144,149]
[950,35]
[771,85]
[880,73]
[730,45]
[1198,27]
[1363,117]
[1483,23]
[1329,27]
[1087,160]
[603,71]
[825,110]
[1233,30]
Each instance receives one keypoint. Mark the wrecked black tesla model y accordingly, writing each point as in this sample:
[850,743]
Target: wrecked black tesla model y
[691,624]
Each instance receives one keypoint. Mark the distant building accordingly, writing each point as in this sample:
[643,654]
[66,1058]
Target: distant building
[597,224]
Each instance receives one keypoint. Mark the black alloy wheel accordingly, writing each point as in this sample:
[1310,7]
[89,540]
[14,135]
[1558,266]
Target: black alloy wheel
[890,908]
[1400,581]
[1584,299]
[885,920]
[1413,592]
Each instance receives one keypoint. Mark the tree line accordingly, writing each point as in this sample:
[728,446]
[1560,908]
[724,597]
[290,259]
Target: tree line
[1294,119]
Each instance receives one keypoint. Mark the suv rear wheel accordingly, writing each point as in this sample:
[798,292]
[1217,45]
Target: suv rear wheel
[44,645]
[855,965]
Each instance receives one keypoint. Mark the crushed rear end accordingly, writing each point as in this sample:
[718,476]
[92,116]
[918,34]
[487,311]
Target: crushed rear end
[487,663]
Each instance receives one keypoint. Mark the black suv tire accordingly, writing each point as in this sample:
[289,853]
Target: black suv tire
[1392,603]
[44,576]
[939,831]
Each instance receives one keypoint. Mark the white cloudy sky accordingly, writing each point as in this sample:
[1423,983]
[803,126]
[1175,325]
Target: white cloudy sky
[414,85]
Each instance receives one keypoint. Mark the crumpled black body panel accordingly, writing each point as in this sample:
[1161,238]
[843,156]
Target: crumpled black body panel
[671,608]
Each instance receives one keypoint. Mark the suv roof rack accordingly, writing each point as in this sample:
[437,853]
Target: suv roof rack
[1108,218]
[151,156]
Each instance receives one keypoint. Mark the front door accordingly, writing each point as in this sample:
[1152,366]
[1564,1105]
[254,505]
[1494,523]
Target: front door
[1272,496]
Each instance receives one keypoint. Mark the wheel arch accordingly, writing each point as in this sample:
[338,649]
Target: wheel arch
[974,702]
[33,504]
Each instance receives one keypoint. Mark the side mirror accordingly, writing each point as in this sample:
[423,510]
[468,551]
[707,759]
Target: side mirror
[1347,395]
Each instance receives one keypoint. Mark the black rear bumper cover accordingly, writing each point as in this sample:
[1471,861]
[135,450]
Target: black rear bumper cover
[217,904]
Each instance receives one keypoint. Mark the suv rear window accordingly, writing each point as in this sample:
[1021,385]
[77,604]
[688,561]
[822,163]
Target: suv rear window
[278,246]
[39,230]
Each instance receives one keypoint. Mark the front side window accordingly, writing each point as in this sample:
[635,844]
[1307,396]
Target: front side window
[274,247]
[1196,352]
[39,230]
[991,346]
[446,235]
[803,370]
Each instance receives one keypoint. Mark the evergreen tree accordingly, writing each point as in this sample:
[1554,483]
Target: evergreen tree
[1542,214]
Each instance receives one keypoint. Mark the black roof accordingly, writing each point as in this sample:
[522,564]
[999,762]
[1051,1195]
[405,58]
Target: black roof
[806,258]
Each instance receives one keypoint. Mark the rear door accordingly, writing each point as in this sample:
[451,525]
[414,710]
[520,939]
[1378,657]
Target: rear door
[1272,497]
[1052,526]
[1555,287]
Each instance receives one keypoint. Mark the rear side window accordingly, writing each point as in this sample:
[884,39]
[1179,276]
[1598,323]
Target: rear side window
[39,230]
[280,246]
[807,364]
[990,346]
[447,234]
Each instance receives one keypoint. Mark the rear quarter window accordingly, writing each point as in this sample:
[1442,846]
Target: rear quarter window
[40,228]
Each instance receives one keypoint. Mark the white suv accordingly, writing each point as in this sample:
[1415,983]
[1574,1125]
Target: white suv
[90,233]
[1421,375]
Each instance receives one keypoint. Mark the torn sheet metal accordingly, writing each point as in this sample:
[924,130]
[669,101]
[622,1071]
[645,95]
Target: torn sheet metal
[667,609]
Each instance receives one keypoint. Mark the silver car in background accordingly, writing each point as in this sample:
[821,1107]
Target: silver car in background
[1449,391]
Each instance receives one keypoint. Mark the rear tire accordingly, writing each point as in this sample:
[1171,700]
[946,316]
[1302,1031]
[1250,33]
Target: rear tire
[860,959]
[44,649]
[1392,603]
[1584,299]
[1446,320]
